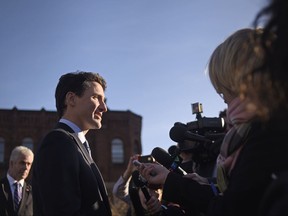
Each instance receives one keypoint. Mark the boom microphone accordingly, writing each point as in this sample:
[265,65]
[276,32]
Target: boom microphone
[179,133]
[164,158]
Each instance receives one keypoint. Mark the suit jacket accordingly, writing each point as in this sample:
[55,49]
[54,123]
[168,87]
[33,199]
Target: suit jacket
[66,180]
[6,200]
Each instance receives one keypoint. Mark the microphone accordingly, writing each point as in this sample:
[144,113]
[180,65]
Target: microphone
[138,181]
[173,150]
[164,158]
[179,133]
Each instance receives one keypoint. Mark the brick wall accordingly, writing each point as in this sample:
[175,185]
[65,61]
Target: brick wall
[15,125]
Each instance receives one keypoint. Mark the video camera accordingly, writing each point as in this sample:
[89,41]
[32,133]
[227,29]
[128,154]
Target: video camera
[205,125]
[202,137]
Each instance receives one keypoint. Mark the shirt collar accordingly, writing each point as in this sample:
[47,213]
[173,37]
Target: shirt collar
[11,180]
[75,128]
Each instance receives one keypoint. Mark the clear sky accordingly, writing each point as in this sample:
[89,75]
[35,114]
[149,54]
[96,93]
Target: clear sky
[153,54]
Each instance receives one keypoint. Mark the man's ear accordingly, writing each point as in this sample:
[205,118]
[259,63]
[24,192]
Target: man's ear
[70,99]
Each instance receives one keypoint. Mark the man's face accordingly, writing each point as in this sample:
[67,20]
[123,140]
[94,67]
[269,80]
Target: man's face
[20,168]
[88,109]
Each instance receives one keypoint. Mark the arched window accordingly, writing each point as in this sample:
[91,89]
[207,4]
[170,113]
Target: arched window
[2,149]
[28,142]
[117,149]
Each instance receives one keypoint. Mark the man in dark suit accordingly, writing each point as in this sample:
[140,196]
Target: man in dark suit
[66,180]
[17,200]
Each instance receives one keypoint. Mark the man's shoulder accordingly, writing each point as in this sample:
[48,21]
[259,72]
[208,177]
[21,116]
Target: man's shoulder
[4,179]
[4,184]
[59,133]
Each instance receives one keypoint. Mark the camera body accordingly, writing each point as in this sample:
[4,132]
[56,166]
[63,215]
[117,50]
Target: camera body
[146,159]
[212,131]
[205,125]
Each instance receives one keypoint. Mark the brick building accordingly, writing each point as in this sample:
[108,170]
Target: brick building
[111,146]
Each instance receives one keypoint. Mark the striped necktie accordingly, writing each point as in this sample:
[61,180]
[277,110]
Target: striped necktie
[87,147]
[17,196]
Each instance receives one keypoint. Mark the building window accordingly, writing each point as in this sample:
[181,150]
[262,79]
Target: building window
[2,149]
[28,142]
[117,151]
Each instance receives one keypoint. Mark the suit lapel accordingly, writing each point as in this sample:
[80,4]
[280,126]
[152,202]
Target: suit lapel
[78,142]
[26,190]
[5,187]
[93,165]
[82,148]
[94,168]
[101,184]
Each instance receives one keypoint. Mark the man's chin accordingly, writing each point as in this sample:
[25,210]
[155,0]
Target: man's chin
[97,125]
[23,177]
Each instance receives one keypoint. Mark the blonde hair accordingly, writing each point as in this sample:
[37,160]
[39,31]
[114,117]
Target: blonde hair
[232,65]
[237,56]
